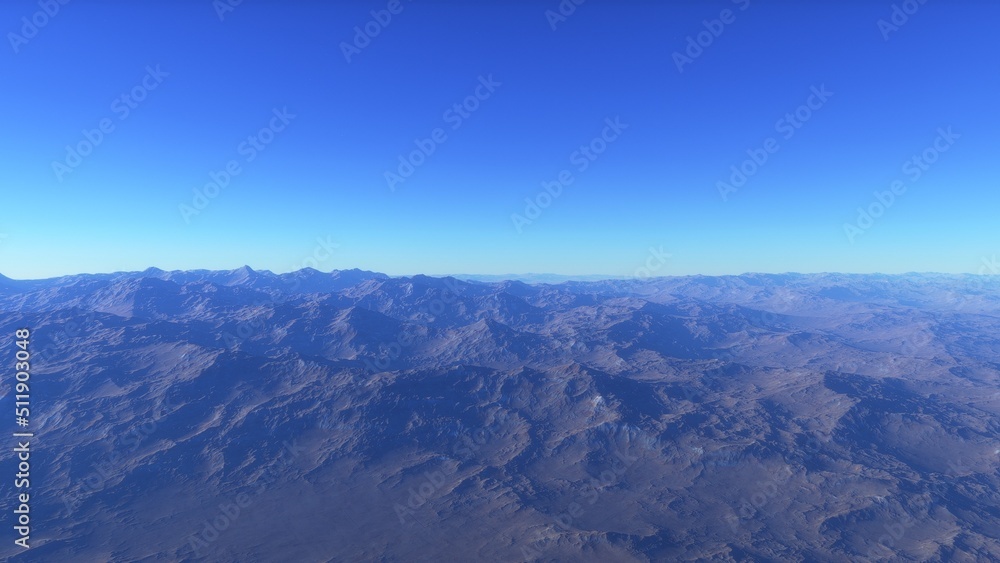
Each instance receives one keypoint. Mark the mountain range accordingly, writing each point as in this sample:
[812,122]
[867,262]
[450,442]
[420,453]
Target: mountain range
[352,416]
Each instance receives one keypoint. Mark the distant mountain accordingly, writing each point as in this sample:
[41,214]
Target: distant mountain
[244,415]
[533,278]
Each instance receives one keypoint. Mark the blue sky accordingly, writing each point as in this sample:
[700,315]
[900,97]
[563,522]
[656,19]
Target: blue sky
[315,130]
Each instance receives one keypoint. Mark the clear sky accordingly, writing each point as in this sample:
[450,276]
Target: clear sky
[180,86]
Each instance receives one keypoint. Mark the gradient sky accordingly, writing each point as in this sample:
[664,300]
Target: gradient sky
[322,178]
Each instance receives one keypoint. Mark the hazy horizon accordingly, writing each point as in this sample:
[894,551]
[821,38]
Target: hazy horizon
[987,268]
[734,137]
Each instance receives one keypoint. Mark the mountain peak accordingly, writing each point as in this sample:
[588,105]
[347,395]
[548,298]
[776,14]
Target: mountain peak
[242,275]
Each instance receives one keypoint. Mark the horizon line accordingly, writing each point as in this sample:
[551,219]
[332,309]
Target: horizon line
[494,277]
